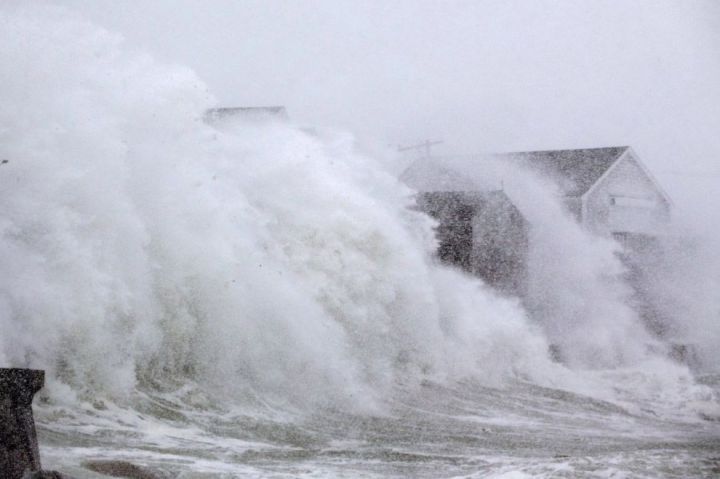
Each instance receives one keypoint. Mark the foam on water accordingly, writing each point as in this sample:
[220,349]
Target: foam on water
[168,273]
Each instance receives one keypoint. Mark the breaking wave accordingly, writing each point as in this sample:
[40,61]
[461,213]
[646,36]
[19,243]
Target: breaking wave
[143,248]
[140,243]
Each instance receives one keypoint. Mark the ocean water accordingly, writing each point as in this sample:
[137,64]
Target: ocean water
[250,299]
[464,430]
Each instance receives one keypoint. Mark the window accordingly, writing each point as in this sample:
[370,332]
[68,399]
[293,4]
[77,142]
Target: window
[629,201]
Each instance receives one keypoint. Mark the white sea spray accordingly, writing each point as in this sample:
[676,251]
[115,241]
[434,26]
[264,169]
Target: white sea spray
[140,242]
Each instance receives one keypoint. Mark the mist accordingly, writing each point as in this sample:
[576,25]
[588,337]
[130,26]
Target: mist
[488,75]
[261,298]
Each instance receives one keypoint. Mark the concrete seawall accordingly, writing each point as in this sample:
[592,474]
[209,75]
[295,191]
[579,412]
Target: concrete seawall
[19,452]
[18,441]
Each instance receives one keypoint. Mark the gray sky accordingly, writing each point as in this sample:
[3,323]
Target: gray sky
[484,75]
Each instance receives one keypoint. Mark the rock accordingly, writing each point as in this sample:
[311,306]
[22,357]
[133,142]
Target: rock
[44,475]
[123,469]
[18,440]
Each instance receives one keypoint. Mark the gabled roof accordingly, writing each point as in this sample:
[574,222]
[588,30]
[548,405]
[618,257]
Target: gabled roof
[574,171]
[431,174]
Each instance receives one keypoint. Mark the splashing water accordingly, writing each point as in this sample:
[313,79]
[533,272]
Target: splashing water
[159,267]
[142,242]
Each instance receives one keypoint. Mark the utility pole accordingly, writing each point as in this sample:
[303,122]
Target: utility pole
[425,145]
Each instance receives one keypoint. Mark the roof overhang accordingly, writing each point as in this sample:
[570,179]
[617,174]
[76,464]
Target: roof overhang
[628,153]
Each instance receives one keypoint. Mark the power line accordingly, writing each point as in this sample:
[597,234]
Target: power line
[425,145]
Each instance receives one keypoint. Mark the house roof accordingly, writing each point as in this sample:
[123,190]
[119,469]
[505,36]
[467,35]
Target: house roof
[431,174]
[476,199]
[575,171]
[247,112]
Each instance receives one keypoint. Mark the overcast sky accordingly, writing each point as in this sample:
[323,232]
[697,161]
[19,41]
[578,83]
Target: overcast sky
[483,75]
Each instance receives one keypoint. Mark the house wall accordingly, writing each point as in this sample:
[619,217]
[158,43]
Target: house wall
[574,207]
[500,246]
[454,231]
[626,201]
[481,233]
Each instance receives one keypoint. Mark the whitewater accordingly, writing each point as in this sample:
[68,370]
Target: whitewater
[257,299]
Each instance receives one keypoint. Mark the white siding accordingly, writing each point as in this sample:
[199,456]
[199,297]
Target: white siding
[626,200]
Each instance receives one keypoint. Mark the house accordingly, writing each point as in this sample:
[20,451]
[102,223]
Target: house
[483,233]
[611,193]
[608,190]
[479,231]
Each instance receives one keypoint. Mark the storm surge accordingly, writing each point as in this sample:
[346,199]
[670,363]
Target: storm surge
[141,245]
[146,251]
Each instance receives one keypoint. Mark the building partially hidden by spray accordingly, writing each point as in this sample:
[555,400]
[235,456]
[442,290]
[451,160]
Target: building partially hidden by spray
[607,190]
[247,113]
[479,230]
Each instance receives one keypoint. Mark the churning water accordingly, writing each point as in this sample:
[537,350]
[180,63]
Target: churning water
[250,299]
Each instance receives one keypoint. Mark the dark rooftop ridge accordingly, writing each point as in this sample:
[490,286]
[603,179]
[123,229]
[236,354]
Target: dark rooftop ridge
[250,112]
[569,150]
[575,171]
